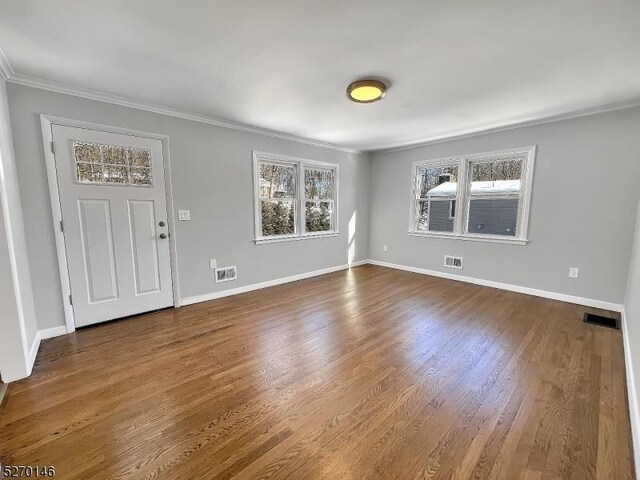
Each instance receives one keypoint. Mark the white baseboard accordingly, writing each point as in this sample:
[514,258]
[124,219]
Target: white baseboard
[33,353]
[632,393]
[52,332]
[3,391]
[358,263]
[616,307]
[589,302]
[42,335]
[270,283]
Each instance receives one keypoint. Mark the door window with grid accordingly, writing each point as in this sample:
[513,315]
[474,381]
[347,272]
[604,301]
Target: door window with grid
[112,164]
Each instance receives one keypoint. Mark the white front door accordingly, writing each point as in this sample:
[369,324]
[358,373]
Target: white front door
[114,213]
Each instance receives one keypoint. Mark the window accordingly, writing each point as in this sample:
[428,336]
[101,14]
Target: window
[295,198]
[112,164]
[437,186]
[474,197]
[318,197]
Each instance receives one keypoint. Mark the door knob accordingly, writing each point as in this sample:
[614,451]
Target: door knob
[163,235]
[162,224]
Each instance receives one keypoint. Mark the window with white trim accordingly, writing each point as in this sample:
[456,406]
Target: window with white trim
[483,196]
[294,198]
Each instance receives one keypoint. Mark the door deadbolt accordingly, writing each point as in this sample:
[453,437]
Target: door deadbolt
[162,224]
[163,235]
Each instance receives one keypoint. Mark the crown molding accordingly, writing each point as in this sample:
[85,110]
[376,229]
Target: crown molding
[95,95]
[585,112]
[9,75]
[6,72]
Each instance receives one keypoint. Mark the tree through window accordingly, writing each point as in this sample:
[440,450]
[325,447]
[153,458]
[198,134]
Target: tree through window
[294,197]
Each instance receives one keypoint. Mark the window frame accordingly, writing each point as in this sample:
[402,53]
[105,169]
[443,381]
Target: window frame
[300,164]
[463,195]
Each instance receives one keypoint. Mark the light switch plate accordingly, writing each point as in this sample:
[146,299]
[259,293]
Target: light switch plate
[385,248]
[574,272]
[213,263]
[184,215]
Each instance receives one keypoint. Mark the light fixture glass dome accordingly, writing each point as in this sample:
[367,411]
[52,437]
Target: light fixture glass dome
[366,91]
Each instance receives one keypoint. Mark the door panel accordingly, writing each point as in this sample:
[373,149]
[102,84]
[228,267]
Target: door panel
[113,203]
[97,249]
[144,246]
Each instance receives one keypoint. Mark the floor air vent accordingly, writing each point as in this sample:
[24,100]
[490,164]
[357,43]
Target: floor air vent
[452,262]
[602,321]
[226,274]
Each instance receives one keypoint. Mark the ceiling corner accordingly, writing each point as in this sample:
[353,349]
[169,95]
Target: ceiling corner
[6,72]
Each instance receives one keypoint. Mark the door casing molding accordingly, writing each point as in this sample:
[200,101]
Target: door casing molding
[46,122]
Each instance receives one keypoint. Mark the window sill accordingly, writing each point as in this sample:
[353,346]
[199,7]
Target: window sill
[292,238]
[472,238]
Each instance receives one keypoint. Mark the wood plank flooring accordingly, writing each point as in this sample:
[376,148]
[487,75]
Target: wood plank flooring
[370,373]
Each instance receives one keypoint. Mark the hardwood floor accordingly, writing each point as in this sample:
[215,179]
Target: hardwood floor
[368,373]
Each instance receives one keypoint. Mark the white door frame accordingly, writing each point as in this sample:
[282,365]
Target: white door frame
[46,122]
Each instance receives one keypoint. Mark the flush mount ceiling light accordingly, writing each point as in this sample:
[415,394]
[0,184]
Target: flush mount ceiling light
[366,91]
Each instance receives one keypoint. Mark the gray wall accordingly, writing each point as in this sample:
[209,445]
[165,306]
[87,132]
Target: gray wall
[18,325]
[585,192]
[632,320]
[586,168]
[15,217]
[12,347]
[212,176]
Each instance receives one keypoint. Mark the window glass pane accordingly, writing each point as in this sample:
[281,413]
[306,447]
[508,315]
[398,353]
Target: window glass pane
[111,164]
[422,212]
[87,153]
[438,188]
[440,219]
[493,216]
[139,158]
[318,184]
[495,194]
[140,176]
[277,181]
[88,172]
[115,174]
[114,155]
[278,217]
[498,171]
[438,182]
[318,216]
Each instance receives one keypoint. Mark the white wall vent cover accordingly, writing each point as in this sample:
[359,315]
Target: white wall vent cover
[226,274]
[452,262]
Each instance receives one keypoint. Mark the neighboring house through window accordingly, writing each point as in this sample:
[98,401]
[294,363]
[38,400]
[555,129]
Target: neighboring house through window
[482,196]
[294,198]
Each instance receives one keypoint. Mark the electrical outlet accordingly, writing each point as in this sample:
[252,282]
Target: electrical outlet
[385,248]
[213,263]
[574,272]
[184,215]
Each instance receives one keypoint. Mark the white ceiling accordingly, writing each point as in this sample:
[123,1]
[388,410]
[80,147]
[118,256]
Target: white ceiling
[453,66]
